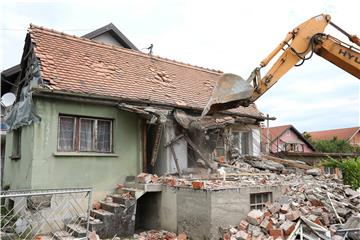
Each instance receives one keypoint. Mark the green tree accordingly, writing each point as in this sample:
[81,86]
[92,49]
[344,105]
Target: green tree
[334,146]
[350,169]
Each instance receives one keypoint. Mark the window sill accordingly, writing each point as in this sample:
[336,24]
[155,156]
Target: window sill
[15,157]
[84,154]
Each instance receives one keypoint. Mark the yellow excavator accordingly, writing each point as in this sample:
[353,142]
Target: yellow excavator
[299,45]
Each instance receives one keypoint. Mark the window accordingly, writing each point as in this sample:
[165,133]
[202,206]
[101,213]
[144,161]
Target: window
[84,134]
[258,200]
[241,140]
[66,137]
[16,151]
[294,147]
[329,170]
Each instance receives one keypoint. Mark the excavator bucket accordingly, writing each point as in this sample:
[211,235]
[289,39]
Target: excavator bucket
[230,92]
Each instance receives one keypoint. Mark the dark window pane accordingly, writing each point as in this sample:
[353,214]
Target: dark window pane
[66,134]
[86,135]
[103,136]
[252,198]
[265,198]
[16,142]
[245,142]
[258,198]
[236,140]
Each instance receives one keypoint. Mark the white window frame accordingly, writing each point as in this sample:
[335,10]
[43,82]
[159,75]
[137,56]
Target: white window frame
[262,203]
[249,139]
[77,133]
[74,133]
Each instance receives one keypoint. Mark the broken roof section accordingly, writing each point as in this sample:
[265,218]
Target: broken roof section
[78,65]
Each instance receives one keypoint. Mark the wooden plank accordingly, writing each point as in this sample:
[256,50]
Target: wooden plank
[175,159]
[196,149]
[144,127]
[287,162]
[177,138]
[156,146]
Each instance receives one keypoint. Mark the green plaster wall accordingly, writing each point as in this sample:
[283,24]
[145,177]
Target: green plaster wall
[18,173]
[51,169]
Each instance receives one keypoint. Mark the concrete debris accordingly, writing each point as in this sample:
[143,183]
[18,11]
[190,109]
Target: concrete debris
[314,172]
[304,209]
[253,164]
[353,223]
[255,217]
[160,235]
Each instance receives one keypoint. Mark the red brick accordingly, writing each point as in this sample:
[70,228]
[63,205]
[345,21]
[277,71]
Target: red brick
[182,236]
[266,224]
[292,215]
[287,227]
[154,178]
[144,178]
[243,225]
[267,214]
[197,184]
[275,233]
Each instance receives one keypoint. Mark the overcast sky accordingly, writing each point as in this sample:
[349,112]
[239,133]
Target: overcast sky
[231,36]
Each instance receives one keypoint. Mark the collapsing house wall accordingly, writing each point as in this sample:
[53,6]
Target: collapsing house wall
[188,141]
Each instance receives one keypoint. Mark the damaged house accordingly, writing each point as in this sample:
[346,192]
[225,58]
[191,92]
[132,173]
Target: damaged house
[94,114]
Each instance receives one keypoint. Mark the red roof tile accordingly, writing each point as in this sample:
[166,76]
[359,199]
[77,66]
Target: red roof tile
[274,132]
[341,133]
[74,64]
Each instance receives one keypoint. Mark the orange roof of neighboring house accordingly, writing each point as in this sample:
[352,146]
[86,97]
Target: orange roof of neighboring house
[274,132]
[341,133]
[74,64]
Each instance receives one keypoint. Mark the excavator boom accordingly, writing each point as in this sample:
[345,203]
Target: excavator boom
[339,53]
[298,46]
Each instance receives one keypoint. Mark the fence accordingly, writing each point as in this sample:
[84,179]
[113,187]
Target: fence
[45,214]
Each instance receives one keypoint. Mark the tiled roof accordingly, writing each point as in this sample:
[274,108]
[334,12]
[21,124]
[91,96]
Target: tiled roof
[79,65]
[341,133]
[274,132]
[278,131]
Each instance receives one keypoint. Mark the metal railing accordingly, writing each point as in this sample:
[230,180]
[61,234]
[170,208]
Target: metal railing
[45,213]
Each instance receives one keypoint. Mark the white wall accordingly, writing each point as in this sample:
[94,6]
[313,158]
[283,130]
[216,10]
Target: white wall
[256,149]
[165,162]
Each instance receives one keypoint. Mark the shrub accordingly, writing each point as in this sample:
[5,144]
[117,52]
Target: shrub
[350,169]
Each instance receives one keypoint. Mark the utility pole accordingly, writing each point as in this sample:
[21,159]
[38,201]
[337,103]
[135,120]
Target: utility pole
[268,132]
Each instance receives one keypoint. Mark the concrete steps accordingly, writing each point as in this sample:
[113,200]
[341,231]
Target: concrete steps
[76,230]
[63,235]
[116,217]
[112,207]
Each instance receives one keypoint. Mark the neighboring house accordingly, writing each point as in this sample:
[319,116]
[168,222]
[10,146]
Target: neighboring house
[285,139]
[96,114]
[350,135]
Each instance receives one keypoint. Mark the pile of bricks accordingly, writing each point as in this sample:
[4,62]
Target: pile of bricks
[160,235]
[145,178]
[321,200]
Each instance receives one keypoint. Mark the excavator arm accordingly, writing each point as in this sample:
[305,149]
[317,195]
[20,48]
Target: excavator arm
[298,46]
[304,39]
[339,53]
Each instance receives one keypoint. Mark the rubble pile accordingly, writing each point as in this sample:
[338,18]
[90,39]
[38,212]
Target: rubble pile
[317,205]
[160,235]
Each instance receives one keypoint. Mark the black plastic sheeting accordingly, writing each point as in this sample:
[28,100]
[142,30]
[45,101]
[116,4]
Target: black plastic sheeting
[22,113]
